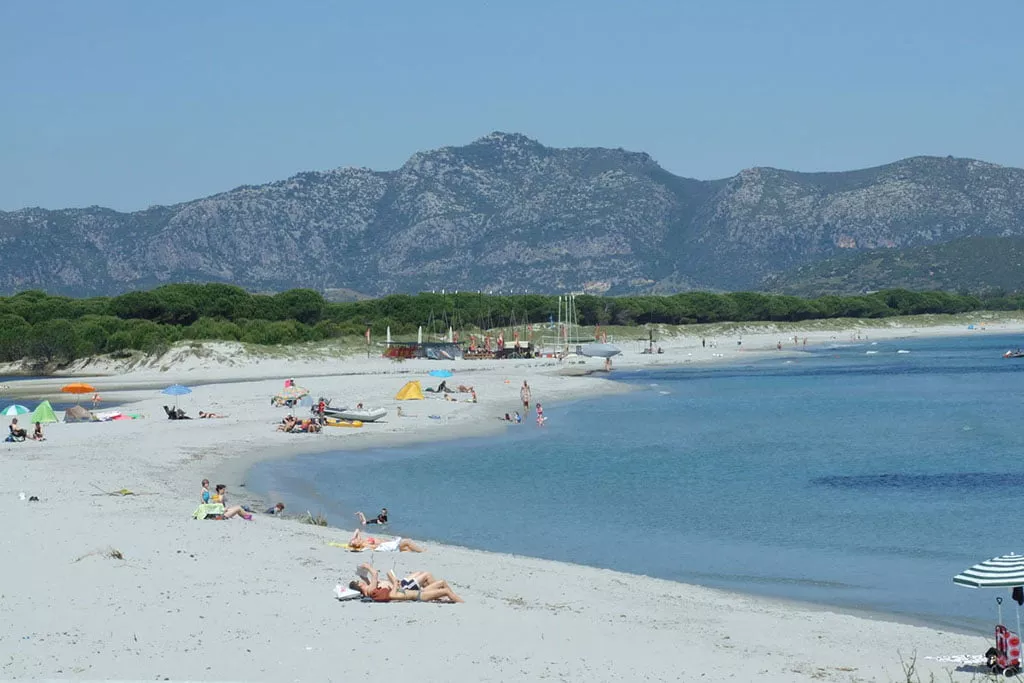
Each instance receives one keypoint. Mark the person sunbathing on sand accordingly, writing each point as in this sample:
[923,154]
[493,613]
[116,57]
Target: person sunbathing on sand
[393,591]
[395,545]
[206,415]
[287,424]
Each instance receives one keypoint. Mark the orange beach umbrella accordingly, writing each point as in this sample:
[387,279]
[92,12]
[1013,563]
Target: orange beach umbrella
[78,388]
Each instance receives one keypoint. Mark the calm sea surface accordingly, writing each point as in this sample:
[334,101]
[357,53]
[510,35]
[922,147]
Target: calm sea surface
[843,477]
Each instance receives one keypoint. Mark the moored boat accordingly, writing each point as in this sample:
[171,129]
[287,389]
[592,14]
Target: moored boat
[356,414]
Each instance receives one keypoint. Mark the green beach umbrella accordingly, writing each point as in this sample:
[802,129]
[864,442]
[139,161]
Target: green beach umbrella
[15,409]
[43,413]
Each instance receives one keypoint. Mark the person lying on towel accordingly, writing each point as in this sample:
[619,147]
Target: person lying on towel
[358,542]
[395,591]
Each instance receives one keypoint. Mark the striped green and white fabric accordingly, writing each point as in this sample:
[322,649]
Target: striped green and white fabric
[999,572]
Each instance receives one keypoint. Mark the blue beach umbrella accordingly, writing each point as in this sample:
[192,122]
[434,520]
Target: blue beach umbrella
[440,373]
[15,409]
[176,390]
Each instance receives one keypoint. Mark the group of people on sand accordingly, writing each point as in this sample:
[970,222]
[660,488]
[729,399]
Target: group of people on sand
[294,425]
[417,587]
[218,502]
[19,434]
[526,396]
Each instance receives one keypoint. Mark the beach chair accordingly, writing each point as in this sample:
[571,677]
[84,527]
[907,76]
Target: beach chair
[1004,658]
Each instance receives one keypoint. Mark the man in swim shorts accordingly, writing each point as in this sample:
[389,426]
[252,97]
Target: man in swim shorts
[382,518]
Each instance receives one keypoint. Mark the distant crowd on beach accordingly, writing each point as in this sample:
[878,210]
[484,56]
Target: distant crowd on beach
[369,585]
[418,586]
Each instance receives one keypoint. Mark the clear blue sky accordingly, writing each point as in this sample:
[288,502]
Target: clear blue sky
[132,103]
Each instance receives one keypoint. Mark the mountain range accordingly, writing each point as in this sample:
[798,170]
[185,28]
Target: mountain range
[508,213]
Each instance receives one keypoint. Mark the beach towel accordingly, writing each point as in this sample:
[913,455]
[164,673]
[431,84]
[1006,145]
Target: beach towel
[206,509]
[345,546]
[390,546]
[344,593]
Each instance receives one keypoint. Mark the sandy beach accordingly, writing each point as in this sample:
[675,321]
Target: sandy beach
[252,600]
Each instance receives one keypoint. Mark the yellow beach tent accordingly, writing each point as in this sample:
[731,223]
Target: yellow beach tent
[412,391]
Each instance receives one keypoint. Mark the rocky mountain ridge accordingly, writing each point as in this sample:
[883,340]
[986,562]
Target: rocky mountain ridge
[506,212]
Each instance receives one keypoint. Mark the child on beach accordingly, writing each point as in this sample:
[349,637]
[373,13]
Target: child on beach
[540,415]
[204,493]
[276,510]
[517,417]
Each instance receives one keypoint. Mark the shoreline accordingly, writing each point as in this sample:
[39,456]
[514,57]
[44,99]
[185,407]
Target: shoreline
[168,458]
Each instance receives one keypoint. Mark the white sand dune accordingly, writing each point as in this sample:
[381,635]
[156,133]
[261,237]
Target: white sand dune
[238,600]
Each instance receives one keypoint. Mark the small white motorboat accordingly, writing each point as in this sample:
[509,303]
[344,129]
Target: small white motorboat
[356,414]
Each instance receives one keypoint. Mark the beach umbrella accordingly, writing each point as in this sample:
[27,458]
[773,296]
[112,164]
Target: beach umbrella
[389,335]
[440,373]
[78,388]
[1006,571]
[176,390]
[15,409]
[294,391]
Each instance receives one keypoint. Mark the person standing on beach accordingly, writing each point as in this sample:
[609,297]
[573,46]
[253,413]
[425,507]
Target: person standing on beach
[540,415]
[526,397]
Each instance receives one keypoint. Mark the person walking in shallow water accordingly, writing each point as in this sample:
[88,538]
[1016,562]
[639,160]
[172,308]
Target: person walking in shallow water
[525,396]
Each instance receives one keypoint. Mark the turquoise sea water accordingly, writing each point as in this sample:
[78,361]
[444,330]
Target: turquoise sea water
[856,479]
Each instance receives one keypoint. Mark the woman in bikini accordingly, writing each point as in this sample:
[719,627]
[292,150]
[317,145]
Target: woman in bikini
[393,590]
[395,545]
[222,497]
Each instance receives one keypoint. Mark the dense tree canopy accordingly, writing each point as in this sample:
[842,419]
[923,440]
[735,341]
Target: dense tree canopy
[56,329]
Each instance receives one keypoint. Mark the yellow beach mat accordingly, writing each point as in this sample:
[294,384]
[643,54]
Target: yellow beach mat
[345,546]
